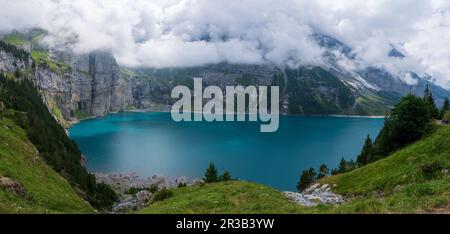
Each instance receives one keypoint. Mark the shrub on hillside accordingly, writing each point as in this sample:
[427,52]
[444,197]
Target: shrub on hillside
[446,118]
[152,188]
[431,169]
[163,194]
[104,196]
[133,190]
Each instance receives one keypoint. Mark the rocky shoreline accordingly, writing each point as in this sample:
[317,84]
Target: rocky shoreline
[123,183]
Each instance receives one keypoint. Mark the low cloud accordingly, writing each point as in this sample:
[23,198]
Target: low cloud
[179,33]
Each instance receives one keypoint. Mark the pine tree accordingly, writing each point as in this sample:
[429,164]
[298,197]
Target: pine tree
[17,73]
[445,108]
[323,171]
[426,92]
[226,176]
[428,98]
[365,155]
[343,166]
[306,179]
[211,174]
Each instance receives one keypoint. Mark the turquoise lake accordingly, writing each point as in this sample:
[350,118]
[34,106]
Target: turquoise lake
[152,143]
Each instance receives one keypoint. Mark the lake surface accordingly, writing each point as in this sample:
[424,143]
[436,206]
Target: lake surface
[152,143]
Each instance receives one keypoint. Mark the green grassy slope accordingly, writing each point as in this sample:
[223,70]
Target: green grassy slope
[409,181]
[43,58]
[224,197]
[47,191]
[15,38]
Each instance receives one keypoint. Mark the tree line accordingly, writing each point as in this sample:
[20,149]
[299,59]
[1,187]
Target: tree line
[212,176]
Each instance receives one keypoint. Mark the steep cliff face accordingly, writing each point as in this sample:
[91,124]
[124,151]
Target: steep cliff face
[97,86]
[92,86]
[152,87]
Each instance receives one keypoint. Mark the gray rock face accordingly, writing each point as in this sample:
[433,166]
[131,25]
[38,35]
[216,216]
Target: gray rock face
[98,86]
[152,87]
[9,63]
[132,202]
[12,186]
[93,86]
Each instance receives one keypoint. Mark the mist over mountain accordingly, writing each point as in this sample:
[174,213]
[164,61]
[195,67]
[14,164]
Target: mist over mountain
[161,34]
[77,85]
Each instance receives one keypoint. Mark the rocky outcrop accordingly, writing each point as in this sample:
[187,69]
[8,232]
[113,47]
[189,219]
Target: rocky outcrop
[10,63]
[125,182]
[12,186]
[132,202]
[314,195]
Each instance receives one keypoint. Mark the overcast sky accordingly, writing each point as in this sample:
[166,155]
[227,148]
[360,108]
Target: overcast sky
[173,33]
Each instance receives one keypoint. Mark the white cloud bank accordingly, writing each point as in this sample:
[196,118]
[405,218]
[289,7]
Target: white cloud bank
[173,33]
